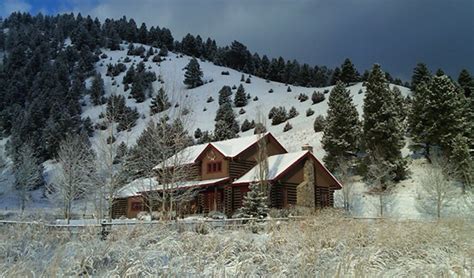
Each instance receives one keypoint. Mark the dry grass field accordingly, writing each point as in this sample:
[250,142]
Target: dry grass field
[325,244]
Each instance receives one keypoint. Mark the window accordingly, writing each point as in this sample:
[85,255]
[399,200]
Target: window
[136,206]
[214,167]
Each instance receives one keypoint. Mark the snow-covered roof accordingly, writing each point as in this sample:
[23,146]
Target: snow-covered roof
[136,186]
[184,184]
[183,157]
[276,165]
[233,147]
[229,148]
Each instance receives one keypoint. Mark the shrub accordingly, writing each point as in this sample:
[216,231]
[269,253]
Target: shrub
[247,125]
[197,133]
[279,116]
[309,112]
[317,97]
[319,123]
[114,70]
[292,113]
[302,97]
[287,127]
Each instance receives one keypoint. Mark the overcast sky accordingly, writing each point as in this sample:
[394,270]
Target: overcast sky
[395,33]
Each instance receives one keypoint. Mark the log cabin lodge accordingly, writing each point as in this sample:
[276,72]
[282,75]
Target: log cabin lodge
[218,174]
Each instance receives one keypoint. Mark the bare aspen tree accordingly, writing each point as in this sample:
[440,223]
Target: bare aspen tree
[109,176]
[381,176]
[161,144]
[27,173]
[437,189]
[345,175]
[76,172]
[262,158]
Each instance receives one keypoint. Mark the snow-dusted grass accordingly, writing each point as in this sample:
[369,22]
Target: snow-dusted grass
[326,244]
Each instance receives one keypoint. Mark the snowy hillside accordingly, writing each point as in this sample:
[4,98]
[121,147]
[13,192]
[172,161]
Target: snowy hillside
[172,73]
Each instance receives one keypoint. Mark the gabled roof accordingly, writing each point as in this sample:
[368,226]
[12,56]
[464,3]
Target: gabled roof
[279,164]
[228,148]
[184,185]
[135,187]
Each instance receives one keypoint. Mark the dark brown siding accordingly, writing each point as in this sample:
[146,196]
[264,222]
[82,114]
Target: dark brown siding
[119,208]
[239,167]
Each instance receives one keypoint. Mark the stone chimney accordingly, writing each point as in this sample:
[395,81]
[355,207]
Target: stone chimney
[307,147]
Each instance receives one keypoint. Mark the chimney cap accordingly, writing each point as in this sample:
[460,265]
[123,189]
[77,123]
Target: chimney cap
[307,147]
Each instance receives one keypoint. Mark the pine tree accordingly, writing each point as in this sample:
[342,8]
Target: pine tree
[466,82]
[382,127]
[438,111]
[226,126]
[97,90]
[160,102]
[240,99]
[138,90]
[193,74]
[348,72]
[255,203]
[129,76]
[462,160]
[342,129]
[421,73]
[224,95]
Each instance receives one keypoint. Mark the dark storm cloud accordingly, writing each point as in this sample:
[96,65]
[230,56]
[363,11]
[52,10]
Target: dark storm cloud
[394,33]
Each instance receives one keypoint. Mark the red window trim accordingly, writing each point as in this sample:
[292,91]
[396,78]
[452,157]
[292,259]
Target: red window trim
[136,206]
[214,167]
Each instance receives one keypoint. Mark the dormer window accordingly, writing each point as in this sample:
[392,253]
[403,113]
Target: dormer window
[214,167]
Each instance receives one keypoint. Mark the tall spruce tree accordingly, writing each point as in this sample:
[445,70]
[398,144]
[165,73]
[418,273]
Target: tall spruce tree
[160,102]
[240,99]
[421,73]
[97,89]
[348,72]
[382,126]
[226,125]
[193,74]
[466,82]
[462,160]
[342,129]
[438,113]
[224,95]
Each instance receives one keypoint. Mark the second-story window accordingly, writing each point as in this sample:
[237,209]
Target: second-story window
[214,167]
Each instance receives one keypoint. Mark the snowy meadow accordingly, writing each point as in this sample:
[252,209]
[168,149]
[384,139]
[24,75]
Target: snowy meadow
[324,244]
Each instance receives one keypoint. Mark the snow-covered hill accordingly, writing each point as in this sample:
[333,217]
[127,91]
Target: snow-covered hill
[202,113]
[172,73]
